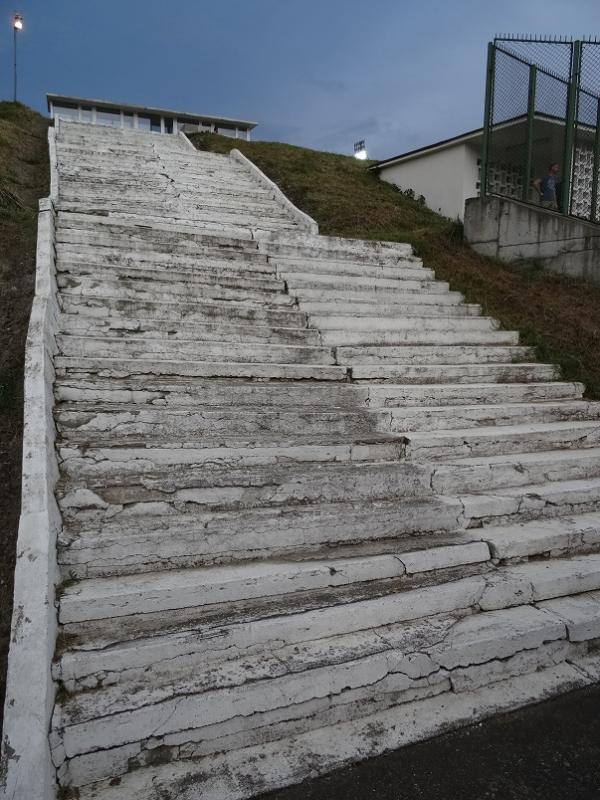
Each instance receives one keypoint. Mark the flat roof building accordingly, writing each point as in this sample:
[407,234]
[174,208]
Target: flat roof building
[148,118]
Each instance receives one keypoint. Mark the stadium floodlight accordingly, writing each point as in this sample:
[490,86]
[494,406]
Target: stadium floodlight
[360,150]
[17,26]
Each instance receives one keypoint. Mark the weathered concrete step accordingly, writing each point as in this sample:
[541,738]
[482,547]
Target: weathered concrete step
[476,474]
[97,537]
[163,347]
[502,439]
[368,296]
[420,335]
[373,283]
[189,311]
[148,198]
[334,744]
[121,368]
[454,654]
[301,244]
[102,598]
[339,268]
[521,503]
[547,537]
[221,331]
[454,373]
[431,354]
[174,424]
[198,259]
[430,302]
[237,278]
[374,322]
[129,239]
[132,289]
[411,304]
[166,212]
[188,391]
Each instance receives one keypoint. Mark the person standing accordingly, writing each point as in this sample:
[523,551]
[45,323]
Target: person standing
[547,186]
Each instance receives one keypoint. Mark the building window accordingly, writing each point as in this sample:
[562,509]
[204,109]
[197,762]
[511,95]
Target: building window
[168,125]
[225,130]
[127,119]
[86,114]
[67,111]
[155,124]
[112,118]
[144,123]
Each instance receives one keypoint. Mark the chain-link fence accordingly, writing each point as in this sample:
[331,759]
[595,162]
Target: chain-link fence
[542,124]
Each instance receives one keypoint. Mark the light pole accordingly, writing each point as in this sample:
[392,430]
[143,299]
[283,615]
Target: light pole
[17,26]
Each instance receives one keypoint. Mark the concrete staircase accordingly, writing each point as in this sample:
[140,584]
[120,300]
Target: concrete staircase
[314,505]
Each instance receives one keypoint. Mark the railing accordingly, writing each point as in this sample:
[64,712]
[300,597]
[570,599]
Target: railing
[541,136]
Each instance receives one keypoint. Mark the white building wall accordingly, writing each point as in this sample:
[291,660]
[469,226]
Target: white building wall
[445,177]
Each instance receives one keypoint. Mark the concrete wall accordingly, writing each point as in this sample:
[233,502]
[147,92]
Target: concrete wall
[517,232]
[445,177]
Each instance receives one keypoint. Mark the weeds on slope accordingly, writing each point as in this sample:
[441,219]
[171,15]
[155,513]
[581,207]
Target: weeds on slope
[24,177]
[560,317]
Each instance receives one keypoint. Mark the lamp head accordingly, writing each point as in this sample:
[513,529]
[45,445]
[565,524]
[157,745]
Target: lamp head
[18,22]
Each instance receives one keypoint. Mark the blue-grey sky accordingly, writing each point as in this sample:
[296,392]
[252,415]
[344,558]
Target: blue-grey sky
[318,73]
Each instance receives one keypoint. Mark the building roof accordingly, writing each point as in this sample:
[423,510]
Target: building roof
[151,110]
[463,137]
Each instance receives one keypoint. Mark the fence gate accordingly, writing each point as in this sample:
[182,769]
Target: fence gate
[542,108]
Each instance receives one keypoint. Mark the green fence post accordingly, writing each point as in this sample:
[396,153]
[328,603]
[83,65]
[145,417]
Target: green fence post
[530,121]
[596,167]
[487,119]
[570,124]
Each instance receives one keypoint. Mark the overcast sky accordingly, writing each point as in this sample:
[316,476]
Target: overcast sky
[319,73]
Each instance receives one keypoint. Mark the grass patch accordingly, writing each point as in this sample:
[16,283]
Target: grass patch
[24,178]
[559,316]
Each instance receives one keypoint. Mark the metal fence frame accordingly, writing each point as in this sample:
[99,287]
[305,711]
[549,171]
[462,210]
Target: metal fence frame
[575,90]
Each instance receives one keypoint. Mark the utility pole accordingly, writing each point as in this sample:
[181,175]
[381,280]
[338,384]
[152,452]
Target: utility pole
[17,26]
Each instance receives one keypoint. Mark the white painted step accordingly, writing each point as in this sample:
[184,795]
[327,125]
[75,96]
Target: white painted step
[545,537]
[453,373]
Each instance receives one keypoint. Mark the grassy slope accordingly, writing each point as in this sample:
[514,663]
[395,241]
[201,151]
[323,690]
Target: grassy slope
[561,317]
[23,180]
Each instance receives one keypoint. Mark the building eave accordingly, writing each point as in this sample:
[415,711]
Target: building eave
[151,110]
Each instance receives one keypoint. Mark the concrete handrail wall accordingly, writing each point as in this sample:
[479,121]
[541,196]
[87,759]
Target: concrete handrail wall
[302,219]
[27,771]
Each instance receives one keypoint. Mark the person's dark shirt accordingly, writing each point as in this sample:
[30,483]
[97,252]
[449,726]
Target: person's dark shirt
[548,188]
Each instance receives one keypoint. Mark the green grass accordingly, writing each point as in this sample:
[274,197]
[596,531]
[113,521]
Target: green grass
[560,317]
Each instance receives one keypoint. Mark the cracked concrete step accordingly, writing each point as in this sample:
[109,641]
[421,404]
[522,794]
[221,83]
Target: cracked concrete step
[328,268]
[248,769]
[189,310]
[304,245]
[478,474]
[120,368]
[521,503]
[88,423]
[218,331]
[501,439]
[136,538]
[440,354]
[130,240]
[453,373]
[446,418]
[409,304]
[155,592]
[188,391]
[150,348]
[374,322]
[420,335]
[554,537]
[132,289]
[374,283]
[195,279]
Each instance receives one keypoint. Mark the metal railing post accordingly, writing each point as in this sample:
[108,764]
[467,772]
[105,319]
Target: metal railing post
[530,128]
[570,123]
[487,118]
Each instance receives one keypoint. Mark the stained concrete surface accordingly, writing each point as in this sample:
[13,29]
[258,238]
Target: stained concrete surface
[550,751]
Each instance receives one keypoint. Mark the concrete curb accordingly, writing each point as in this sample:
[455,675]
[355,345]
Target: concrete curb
[301,218]
[26,768]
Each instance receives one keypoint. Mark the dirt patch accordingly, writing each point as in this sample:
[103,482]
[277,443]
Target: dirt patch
[24,178]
